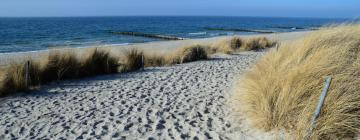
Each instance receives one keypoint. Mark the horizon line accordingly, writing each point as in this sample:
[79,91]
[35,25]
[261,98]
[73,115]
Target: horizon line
[176,16]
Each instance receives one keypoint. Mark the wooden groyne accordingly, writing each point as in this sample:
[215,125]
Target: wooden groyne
[164,37]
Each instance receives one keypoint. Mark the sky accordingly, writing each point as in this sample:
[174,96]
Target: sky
[262,8]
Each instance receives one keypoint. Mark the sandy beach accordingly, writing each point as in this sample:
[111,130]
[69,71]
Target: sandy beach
[187,101]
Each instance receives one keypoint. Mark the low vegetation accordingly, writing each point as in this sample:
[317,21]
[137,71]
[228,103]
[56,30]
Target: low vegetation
[134,60]
[99,62]
[155,60]
[282,90]
[237,44]
[14,77]
[61,65]
[191,53]
[67,64]
[257,44]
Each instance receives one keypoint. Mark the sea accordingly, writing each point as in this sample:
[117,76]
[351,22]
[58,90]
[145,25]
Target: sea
[42,33]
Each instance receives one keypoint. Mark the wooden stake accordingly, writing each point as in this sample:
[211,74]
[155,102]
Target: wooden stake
[142,61]
[27,68]
[319,106]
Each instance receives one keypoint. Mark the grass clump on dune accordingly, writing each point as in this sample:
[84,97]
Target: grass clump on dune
[58,66]
[14,77]
[282,90]
[257,44]
[226,46]
[190,54]
[237,44]
[134,60]
[155,60]
[98,62]
[61,65]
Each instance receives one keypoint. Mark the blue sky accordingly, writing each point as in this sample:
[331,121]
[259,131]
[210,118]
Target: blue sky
[264,8]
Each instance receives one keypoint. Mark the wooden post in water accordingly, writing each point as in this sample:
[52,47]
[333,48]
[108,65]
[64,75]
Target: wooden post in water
[319,106]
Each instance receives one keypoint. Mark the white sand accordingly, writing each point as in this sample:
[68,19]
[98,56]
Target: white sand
[187,101]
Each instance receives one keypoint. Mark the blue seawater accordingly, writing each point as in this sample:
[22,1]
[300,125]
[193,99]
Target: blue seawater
[32,34]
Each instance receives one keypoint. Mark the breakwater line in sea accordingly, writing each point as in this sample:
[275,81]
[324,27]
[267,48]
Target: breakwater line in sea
[164,37]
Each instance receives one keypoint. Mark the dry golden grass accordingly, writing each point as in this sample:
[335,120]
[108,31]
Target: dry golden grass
[133,60]
[13,78]
[155,60]
[257,44]
[98,62]
[224,46]
[282,90]
[2,77]
[237,44]
[61,65]
[190,53]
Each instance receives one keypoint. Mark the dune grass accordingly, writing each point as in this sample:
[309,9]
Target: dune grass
[237,44]
[134,59]
[13,77]
[224,46]
[179,56]
[58,66]
[98,62]
[257,43]
[191,53]
[67,64]
[282,90]
[61,65]
[155,60]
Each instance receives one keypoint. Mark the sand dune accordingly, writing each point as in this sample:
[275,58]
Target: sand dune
[187,101]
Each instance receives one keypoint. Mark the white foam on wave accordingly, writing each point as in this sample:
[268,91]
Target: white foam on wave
[221,34]
[198,33]
[118,44]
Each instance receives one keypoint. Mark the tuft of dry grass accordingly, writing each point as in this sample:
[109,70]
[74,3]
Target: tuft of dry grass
[98,62]
[14,77]
[2,77]
[133,59]
[257,44]
[190,54]
[237,44]
[282,90]
[61,65]
[226,46]
[154,60]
